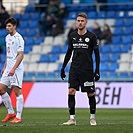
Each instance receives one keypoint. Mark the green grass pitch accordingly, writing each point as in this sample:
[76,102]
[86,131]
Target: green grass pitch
[49,120]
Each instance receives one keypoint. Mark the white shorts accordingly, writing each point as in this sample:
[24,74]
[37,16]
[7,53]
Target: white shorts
[15,80]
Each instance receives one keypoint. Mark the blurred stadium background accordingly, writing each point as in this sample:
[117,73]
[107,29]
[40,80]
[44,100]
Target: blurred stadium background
[44,55]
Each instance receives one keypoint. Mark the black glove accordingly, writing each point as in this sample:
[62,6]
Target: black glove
[97,75]
[62,73]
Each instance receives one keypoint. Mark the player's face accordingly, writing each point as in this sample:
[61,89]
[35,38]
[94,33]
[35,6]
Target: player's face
[10,28]
[81,22]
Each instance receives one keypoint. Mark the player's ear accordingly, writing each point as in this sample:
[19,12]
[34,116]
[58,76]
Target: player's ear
[86,21]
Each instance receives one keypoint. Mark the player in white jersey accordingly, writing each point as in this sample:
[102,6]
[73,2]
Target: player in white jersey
[12,72]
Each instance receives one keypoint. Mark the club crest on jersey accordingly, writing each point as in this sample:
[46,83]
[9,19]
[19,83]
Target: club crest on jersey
[87,39]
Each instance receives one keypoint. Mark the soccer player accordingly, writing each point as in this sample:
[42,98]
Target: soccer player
[12,72]
[82,43]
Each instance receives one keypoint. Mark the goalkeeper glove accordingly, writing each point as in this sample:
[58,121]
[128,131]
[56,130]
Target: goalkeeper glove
[97,75]
[62,73]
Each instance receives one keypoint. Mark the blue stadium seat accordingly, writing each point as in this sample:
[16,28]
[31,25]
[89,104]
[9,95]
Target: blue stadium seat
[56,49]
[17,16]
[110,14]
[44,58]
[116,40]
[29,41]
[38,40]
[104,67]
[67,67]
[72,15]
[101,14]
[111,8]
[64,48]
[114,57]
[103,75]
[119,22]
[33,24]
[127,39]
[40,75]
[24,24]
[53,58]
[128,22]
[30,75]
[128,31]
[89,1]
[118,31]
[104,58]
[31,34]
[23,32]
[126,48]
[51,75]
[59,67]
[3,33]
[28,48]
[116,49]
[83,8]
[35,16]
[67,1]
[123,75]
[112,75]
[29,8]
[105,49]
[1,65]
[25,17]
[113,66]
[3,58]
[72,8]
[92,14]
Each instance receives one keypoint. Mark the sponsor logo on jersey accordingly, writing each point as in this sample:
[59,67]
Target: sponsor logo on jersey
[87,83]
[80,45]
[87,39]
[12,42]
[80,40]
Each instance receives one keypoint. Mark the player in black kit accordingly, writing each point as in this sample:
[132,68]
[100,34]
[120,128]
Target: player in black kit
[82,43]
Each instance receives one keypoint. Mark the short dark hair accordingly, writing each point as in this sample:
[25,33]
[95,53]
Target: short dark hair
[13,21]
[84,15]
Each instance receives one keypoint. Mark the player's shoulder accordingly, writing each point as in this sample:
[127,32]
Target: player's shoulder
[90,33]
[73,33]
[18,35]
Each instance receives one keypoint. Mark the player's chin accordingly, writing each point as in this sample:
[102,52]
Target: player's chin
[80,28]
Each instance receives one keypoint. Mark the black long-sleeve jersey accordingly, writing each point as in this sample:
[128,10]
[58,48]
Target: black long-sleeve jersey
[82,47]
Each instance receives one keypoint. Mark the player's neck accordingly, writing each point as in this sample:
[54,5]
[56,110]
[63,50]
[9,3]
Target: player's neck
[82,32]
[13,33]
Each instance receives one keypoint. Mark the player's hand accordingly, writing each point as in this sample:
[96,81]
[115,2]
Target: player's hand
[62,74]
[11,73]
[2,71]
[97,75]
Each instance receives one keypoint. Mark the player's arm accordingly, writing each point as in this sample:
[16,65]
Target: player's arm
[20,57]
[97,57]
[66,59]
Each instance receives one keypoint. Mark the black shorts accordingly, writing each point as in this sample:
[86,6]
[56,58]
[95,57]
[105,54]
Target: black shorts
[83,79]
